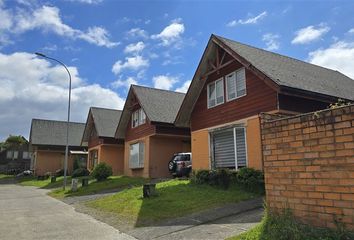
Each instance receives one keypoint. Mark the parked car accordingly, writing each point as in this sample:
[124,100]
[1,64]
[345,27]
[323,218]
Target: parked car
[180,164]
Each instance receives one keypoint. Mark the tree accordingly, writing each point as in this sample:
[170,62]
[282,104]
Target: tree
[14,142]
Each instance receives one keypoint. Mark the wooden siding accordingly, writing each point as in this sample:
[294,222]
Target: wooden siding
[171,130]
[302,105]
[140,131]
[260,98]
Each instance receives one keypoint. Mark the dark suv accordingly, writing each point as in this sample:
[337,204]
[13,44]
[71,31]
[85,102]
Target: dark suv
[180,164]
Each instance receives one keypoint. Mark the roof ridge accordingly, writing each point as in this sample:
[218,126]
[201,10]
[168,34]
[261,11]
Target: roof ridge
[118,110]
[158,89]
[281,55]
[61,121]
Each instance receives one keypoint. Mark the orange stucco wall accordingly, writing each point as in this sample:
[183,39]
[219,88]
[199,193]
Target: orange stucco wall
[162,148]
[50,161]
[200,149]
[201,152]
[113,155]
[158,152]
[141,172]
[254,146]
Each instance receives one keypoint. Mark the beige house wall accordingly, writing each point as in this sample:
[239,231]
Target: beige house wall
[50,161]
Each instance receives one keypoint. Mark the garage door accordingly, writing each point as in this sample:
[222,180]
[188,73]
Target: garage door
[229,148]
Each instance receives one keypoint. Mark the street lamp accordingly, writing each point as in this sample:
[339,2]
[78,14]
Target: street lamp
[68,121]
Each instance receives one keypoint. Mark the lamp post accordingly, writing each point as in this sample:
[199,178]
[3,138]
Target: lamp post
[68,120]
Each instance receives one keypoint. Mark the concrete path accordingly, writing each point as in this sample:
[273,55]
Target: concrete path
[28,213]
[218,223]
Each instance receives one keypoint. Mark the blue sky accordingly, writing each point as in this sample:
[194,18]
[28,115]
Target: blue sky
[110,44]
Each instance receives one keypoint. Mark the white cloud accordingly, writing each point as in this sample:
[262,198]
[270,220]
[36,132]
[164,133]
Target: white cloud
[137,33]
[339,56]
[132,63]
[48,19]
[87,1]
[170,34]
[43,93]
[184,87]
[164,81]
[124,83]
[252,20]
[272,41]
[135,47]
[309,34]
[351,31]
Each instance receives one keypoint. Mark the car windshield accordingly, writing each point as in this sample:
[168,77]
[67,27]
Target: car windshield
[181,158]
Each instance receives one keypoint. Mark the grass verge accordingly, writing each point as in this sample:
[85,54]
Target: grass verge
[46,184]
[114,182]
[284,226]
[175,198]
[4,176]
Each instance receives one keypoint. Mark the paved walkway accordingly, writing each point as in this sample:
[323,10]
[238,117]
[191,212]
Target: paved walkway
[219,223]
[28,213]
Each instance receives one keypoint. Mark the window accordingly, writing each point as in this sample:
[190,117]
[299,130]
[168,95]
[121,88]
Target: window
[229,148]
[215,93]
[138,117]
[136,158]
[236,84]
[93,158]
[25,155]
[9,154]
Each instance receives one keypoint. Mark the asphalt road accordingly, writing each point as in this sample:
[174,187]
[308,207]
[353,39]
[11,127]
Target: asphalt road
[28,213]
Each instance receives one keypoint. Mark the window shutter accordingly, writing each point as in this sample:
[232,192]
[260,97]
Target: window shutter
[219,91]
[224,149]
[240,138]
[231,86]
[141,154]
[241,82]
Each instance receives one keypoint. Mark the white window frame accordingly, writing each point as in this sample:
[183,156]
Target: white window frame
[227,90]
[235,146]
[223,92]
[140,117]
[140,161]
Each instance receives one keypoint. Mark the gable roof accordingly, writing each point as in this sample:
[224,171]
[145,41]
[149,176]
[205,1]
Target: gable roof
[159,106]
[104,120]
[280,72]
[50,132]
[293,73]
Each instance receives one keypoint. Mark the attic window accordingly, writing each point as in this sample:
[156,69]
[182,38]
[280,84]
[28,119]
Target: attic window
[216,93]
[138,117]
[236,84]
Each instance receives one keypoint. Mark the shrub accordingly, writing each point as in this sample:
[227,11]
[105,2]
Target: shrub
[220,178]
[59,172]
[76,164]
[102,171]
[250,179]
[80,172]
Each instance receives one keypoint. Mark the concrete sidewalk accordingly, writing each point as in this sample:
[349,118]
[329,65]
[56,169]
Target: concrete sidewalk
[216,223]
[28,213]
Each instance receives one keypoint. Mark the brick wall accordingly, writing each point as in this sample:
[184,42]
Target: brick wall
[309,165]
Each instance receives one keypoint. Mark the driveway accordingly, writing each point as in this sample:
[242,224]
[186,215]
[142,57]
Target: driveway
[28,213]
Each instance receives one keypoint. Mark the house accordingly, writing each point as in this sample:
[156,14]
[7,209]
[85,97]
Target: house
[99,133]
[235,82]
[147,127]
[16,158]
[48,141]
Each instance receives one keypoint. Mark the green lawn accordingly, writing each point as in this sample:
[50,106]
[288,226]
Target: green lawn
[32,181]
[175,198]
[4,176]
[114,182]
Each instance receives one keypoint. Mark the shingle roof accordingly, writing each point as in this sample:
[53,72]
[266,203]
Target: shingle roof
[50,132]
[159,105]
[103,120]
[106,121]
[290,72]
